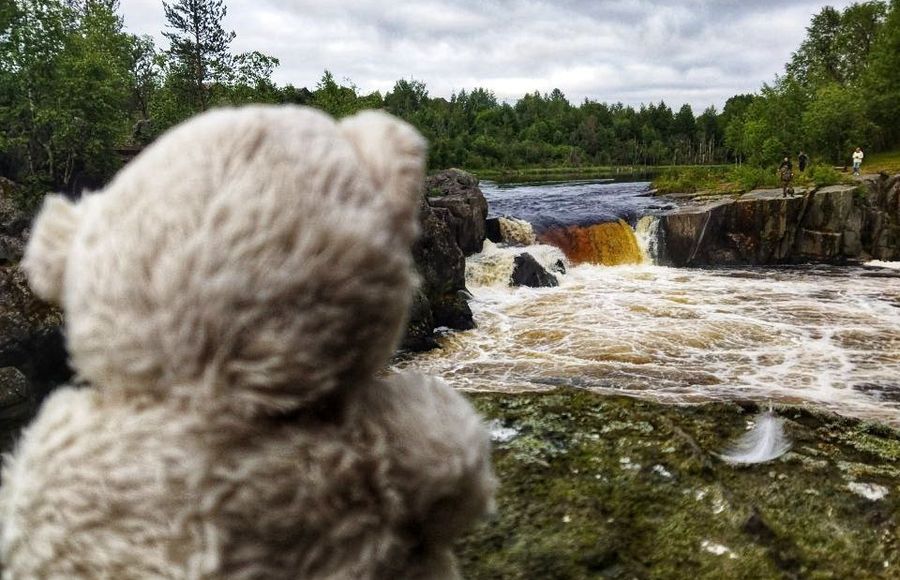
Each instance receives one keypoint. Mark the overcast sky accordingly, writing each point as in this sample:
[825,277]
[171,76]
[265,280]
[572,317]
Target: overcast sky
[630,51]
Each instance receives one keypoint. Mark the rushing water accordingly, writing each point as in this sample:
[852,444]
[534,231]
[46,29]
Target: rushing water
[572,203]
[824,335]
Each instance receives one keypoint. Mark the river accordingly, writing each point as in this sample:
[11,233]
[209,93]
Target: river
[827,336]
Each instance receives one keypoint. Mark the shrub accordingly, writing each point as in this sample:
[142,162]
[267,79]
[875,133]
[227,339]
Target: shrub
[748,177]
[823,175]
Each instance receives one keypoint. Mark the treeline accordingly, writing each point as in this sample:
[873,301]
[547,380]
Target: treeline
[840,90]
[77,92]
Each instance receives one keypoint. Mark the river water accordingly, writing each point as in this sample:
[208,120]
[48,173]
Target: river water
[823,335]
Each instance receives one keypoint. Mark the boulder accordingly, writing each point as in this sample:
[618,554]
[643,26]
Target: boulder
[528,272]
[458,192]
[442,272]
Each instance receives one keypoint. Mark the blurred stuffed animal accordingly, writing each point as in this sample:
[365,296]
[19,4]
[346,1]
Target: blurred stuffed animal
[231,300]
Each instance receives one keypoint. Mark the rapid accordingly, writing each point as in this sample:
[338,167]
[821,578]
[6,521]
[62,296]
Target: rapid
[828,336]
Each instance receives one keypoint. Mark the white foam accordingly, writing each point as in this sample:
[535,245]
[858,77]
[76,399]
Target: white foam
[880,264]
[494,265]
[682,335]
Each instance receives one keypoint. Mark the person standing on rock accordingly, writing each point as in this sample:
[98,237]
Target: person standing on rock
[857,160]
[786,172]
[802,161]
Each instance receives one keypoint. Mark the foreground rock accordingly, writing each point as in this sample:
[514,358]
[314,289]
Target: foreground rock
[452,218]
[610,487]
[832,224]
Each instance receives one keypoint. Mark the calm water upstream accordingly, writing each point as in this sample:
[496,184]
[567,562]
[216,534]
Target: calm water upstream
[824,335]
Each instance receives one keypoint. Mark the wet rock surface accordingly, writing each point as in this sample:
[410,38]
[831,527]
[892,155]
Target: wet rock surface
[831,224]
[528,272]
[452,218]
[458,193]
[595,486]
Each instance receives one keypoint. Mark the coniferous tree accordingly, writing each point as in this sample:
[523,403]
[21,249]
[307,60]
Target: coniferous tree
[198,46]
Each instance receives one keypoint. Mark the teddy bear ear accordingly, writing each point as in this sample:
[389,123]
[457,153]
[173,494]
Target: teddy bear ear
[393,151]
[48,249]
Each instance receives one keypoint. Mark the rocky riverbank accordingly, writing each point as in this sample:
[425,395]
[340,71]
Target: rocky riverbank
[595,486]
[32,353]
[832,224]
[452,217]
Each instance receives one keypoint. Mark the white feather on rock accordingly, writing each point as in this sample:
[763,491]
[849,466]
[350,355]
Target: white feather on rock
[765,442]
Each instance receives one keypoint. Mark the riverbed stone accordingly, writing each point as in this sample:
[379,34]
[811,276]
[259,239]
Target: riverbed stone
[649,498]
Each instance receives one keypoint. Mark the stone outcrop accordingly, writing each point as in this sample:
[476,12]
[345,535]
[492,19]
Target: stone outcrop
[528,272]
[831,224]
[458,193]
[452,217]
[33,358]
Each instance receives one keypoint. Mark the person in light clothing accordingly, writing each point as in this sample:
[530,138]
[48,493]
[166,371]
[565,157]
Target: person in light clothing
[857,160]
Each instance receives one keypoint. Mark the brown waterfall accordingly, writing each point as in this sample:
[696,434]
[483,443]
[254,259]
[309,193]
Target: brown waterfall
[608,244]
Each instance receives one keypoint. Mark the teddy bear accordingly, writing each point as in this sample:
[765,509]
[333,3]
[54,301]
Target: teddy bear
[232,299]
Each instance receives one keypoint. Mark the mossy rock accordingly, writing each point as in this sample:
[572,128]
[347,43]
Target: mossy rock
[599,486]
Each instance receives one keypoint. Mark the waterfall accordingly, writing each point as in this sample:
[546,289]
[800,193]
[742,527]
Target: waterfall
[649,239]
[607,244]
[494,265]
[516,232]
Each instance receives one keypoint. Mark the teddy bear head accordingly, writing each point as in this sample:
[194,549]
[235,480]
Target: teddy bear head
[258,257]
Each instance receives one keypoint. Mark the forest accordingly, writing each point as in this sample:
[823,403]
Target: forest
[79,94]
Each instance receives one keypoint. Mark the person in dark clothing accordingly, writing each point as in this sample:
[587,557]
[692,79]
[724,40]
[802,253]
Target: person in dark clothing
[786,172]
[802,161]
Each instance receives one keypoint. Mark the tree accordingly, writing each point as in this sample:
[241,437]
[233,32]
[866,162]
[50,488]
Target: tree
[835,121]
[198,46]
[336,100]
[406,98]
[146,74]
[818,59]
[881,83]
[63,92]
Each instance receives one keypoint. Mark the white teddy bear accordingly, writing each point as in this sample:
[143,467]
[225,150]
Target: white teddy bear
[230,299]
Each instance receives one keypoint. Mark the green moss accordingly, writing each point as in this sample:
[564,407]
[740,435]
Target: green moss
[612,487]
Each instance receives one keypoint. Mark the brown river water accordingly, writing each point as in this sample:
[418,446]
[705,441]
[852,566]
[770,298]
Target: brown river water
[827,336]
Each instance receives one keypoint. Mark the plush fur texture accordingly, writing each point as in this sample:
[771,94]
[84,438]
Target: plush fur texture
[230,298]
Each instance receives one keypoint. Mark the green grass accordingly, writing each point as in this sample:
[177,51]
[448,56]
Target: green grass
[573,172]
[888,162]
[734,179]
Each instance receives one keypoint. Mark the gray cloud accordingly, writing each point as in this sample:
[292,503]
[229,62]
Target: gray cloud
[630,51]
